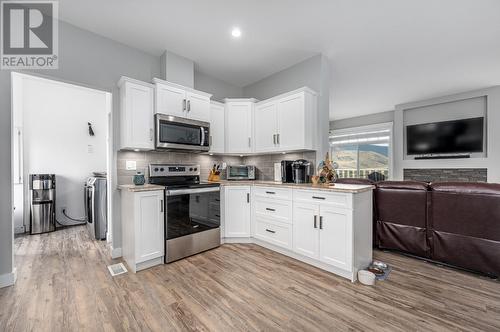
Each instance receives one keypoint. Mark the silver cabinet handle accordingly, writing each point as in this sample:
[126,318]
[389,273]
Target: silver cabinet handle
[270,192]
[274,139]
[161,206]
[278,139]
[249,143]
[183,104]
[269,209]
[248,198]
[320,222]
[318,197]
[315,221]
[151,134]
[210,140]
[270,231]
[189,105]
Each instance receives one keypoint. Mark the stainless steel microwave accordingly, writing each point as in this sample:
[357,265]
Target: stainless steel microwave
[241,172]
[175,133]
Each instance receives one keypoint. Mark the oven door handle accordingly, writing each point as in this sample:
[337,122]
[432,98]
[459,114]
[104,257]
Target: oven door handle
[191,191]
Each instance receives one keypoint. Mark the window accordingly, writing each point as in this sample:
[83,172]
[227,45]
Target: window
[363,152]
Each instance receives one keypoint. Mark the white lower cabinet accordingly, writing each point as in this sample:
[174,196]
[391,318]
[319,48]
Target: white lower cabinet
[330,230]
[276,233]
[143,228]
[305,229]
[236,211]
[335,237]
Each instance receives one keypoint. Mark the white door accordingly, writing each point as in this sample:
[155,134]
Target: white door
[170,100]
[138,117]
[149,227]
[198,107]
[335,239]
[291,122]
[305,229]
[265,124]
[217,128]
[237,211]
[239,127]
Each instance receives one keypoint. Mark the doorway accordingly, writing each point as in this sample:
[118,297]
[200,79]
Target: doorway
[63,129]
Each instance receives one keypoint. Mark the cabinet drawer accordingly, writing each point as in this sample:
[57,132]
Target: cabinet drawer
[273,192]
[276,209]
[343,200]
[274,233]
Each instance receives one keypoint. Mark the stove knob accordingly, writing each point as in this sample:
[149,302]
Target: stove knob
[162,169]
[191,169]
[195,169]
[156,169]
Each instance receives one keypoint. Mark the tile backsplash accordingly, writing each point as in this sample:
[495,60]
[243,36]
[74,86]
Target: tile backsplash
[143,159]
[263,163]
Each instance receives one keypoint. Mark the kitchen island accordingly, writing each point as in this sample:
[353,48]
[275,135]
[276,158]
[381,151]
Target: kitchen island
[329,227]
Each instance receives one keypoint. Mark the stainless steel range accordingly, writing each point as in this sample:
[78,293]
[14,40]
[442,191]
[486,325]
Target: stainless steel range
[192,210]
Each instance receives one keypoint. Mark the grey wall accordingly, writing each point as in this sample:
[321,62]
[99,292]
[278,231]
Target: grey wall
[313,73]
[364,120]
[85,58]
[219,89]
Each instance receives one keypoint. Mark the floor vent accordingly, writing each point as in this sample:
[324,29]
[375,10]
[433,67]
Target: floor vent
[117,269]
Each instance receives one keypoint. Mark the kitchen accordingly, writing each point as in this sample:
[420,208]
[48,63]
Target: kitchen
[179,212]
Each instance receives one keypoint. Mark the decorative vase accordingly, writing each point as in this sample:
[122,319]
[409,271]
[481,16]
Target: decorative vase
[139,179]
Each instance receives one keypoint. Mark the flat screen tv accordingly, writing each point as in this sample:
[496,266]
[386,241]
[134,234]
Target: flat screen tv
[447,137]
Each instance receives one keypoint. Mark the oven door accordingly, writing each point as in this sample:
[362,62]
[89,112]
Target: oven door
[176,133]
[191,211]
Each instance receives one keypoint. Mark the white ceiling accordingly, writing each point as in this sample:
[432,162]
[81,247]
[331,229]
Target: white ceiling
[382,52]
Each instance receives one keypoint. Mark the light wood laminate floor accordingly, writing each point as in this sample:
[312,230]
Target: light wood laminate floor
[63,285]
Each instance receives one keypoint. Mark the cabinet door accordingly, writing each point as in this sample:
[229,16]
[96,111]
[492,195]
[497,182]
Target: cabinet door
[336,237]
[149,225]
[265,124]
[198,107]
[137,117]
[217,128]
[239,127]
[305,229]
[237,211]
[291,122]
[170,100]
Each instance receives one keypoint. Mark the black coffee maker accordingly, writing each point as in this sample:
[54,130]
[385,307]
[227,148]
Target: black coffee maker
[297,171]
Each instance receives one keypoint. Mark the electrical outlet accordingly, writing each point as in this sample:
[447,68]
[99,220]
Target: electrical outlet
[224,165]
[131,165]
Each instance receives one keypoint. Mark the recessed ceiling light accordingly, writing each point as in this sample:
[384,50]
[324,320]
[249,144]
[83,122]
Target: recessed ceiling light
[236,32]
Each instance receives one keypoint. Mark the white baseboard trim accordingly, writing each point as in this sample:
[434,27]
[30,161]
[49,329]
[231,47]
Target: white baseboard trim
[115,252]
[236,240]
[8,279]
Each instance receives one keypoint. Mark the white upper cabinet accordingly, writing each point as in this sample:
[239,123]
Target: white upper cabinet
[198,106]
[170,100]
[239,138]
[266,127]
[287,122]
[217,124]
[136,114]
[177,100]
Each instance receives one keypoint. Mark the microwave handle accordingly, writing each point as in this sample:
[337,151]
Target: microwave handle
[202,136]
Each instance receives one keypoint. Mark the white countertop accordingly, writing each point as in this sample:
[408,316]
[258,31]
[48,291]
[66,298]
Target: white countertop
[336,187]
[144,187]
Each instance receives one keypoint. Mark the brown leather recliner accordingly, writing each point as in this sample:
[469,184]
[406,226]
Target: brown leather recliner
[464,225]
[401,212]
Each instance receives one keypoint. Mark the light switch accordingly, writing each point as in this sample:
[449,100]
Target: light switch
[131,165]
